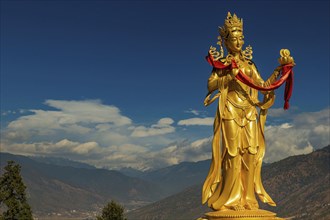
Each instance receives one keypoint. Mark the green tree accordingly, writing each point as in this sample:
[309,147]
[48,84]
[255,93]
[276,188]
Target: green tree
[112,211]
[12,194]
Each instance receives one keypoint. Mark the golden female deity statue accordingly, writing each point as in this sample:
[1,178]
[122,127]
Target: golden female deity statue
[238,146]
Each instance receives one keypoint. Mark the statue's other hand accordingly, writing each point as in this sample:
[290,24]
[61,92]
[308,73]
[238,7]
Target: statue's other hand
[286,60]
[285,57]
[207,100]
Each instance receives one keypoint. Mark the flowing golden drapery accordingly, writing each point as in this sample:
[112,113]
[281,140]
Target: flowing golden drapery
[235,173]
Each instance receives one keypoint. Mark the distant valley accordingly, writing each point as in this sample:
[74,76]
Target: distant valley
[62,190]
[59,188]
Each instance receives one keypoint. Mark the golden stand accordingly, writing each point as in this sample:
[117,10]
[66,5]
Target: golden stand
[241,215]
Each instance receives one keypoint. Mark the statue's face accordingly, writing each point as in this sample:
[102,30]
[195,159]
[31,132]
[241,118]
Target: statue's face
[235,41]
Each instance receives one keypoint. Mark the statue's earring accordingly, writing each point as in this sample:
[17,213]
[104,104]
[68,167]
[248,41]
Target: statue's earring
[247,53]
[220,44]
[217,55]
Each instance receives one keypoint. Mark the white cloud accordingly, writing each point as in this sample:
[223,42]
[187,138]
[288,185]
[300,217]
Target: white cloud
[284,126]
[92,132]
[144,158]
[86,148]
[22,111]
[8,112]
[165,121]
[281,113]
[197,121]
[71,118]
[185,151]
[86,131]
[277,112]
[194,112]
[13,112]
[90,111]
[65,143]
[103,127]
[163,126]
[306,132]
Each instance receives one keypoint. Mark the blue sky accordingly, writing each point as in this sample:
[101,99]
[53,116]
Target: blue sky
[140,66]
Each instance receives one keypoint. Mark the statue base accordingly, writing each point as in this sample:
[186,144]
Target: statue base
[258,214]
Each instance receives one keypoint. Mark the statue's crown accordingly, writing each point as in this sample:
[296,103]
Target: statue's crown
[230,23]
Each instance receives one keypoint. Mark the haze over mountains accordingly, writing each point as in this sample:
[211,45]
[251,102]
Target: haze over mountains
[62,188]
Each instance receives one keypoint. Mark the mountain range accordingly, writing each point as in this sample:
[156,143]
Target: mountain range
[300,185]
[62,189]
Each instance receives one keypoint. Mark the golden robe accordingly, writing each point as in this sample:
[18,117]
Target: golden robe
[238,145]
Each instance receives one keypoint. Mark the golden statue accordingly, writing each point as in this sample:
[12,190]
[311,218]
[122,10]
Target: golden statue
[238,145]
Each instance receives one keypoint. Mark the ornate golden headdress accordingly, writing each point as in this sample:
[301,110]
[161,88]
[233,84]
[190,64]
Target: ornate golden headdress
[230,23]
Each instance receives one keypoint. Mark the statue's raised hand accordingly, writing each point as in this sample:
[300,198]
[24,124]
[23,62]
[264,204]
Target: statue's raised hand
[285,57]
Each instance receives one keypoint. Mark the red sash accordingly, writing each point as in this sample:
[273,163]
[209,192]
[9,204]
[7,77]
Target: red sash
[286,76]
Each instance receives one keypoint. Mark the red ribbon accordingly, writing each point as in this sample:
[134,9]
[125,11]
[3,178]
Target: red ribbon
[286,76]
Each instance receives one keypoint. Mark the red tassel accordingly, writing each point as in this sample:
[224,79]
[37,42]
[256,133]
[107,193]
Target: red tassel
[286,105]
